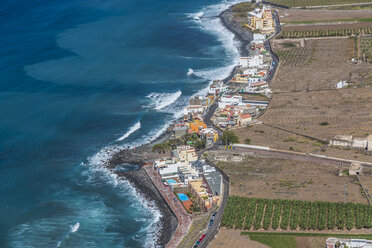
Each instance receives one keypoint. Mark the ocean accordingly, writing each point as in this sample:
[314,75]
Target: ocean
[79,80]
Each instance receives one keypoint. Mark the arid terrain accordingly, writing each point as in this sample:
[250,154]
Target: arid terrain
[273,178]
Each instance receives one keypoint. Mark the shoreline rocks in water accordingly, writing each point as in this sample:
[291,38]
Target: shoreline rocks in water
[143,154]
[143,184]
[242,34]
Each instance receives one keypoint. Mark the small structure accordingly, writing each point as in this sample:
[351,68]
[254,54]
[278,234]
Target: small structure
[343,243]
[364,143]
[341,84]
[355,169]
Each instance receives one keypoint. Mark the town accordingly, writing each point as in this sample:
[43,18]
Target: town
[215,120]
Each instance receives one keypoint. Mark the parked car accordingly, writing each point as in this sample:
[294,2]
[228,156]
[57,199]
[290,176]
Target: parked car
[197,243]
[210,225]
[195,246]
[214,214]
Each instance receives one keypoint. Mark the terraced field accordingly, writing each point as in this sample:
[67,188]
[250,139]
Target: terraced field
[304,3]
[268,214]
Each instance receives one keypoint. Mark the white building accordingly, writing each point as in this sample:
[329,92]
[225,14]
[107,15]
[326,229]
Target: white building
[230,100]
[352,243]
[217,87]
[185,154]
[167,166]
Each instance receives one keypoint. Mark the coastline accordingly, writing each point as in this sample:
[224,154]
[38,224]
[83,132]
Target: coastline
[142,154]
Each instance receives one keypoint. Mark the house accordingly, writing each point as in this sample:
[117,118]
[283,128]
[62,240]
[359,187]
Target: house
[355,169]
[364,143]
[199,189]
[209,134]
[200,101]
[342,140]
[196,125]
[167,166]
[180,128]
[186,173]
[185,154]
[346,242]
[229,100]
[217,87]
[244,119]
[261,19]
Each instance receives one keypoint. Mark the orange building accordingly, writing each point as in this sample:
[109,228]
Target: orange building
[196,125]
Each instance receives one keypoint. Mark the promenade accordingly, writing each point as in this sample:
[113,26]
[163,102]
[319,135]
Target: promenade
[184,219]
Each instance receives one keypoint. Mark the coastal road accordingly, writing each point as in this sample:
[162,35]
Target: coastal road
[267,45]
[211,232]
[184,219]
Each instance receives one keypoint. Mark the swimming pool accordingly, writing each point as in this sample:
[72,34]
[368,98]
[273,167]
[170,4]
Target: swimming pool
[183,197]
[171,181]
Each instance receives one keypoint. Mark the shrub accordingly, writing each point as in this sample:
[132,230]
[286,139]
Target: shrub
[324,123]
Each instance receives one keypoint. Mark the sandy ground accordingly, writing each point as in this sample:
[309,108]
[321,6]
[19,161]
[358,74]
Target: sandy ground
[303,15]
[233,239]
[275,178]
[305,96]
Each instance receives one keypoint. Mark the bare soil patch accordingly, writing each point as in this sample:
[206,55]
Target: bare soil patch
[233,239]
[273,178]
[326,27]
[286,15]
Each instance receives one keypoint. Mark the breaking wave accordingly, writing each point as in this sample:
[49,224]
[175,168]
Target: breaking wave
[213,25]
[74,228]
[196,16]
[161,100]
[190,72]
[131,130]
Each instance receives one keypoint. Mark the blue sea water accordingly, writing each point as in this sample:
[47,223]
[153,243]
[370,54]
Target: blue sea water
[79,79]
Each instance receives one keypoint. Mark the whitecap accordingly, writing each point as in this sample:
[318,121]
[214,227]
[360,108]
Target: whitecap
[131,130]
[190,72]
[214,26]
[196,16]
[163,99]
[74,228]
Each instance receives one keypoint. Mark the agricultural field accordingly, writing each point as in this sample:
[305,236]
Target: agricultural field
[277,178]
[293,16]
[366,48]
[304,3]
[323,31]
[305,96]
[294,53]
[275,214]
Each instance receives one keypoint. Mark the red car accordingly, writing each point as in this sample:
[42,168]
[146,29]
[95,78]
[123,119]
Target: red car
[202,237]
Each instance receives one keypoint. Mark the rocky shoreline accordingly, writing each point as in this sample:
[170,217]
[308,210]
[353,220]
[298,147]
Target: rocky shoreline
[143,154]
[242,34]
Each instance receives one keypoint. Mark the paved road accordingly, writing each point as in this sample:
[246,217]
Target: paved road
[267,45]
[184,220]
[211,232]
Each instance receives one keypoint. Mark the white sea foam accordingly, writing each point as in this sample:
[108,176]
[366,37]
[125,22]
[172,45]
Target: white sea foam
[98,172]
[195,16]
[213,25]
[161,100]
[74,228]
[131,130]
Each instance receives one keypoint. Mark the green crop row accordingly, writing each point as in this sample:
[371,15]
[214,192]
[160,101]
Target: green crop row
[304,3]
[253,213]
[324,33]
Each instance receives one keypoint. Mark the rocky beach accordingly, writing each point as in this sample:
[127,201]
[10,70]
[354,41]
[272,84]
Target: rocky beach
[143,154]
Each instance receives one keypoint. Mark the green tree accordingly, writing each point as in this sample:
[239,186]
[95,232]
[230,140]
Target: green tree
[160,147]
[229,137]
